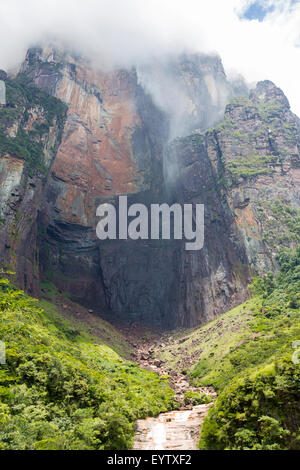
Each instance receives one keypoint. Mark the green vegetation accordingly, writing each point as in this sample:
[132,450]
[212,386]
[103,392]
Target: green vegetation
[196,398]
[60,389]
[196,139]
[87,323]
[252,165]
[259,412]
[248,125]
[246,355]
[239,136]
[227,126]
[270,110]
[23,147]
[258,407]
[20,92]
[281,223]
[22,98]
[241,101]
[207,345]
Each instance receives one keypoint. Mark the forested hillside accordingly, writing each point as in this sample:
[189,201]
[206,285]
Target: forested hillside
[249,355]
[62,388]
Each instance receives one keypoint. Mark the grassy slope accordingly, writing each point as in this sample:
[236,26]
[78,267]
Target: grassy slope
[210,342]
[246,355]
[58,305]
[63,388]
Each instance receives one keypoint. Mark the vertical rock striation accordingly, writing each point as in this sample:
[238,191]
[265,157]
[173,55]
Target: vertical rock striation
[31,125]
[112,144]
[256,149]
[115,140]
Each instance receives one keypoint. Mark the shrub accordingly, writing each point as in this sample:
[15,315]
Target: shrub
[259,404]
[62,391]
[196,398]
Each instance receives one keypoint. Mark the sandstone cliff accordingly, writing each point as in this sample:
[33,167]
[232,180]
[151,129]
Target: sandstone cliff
[246,172]
[115,141]
[31,126]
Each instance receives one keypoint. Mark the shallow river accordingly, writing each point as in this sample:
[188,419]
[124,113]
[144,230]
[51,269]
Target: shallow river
[178,430]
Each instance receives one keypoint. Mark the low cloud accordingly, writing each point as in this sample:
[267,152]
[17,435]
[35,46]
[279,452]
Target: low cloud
[129,32]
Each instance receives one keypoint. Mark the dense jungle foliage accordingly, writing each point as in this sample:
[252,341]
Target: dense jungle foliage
[259,380]
[59,389]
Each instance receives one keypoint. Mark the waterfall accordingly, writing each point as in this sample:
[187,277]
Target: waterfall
[2,93]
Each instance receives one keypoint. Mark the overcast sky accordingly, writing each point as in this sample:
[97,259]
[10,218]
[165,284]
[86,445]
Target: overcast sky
[260,39]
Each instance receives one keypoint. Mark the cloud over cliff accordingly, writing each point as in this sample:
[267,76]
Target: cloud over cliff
[129,32]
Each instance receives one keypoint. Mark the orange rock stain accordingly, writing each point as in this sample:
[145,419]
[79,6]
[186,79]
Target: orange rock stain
[96,155]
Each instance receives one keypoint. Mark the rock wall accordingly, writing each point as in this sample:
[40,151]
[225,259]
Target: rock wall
[256,151]
[192,89]
[112,144]
[115,141]
[246,172]
[31,126]
[214,279]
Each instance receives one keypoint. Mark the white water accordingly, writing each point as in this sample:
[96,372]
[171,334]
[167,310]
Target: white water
[178,430]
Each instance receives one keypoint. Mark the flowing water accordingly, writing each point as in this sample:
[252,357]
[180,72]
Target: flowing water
[176,430]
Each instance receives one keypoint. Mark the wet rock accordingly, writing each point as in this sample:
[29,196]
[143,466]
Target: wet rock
[157,363]
[114,142]
[176,430]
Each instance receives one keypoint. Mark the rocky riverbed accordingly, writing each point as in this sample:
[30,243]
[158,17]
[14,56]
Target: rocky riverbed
[178,429]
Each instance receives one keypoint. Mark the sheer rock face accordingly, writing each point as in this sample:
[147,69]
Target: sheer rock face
[112,144]
[212,279]
[192,89]
[256,153]
[115,142]
[22,181]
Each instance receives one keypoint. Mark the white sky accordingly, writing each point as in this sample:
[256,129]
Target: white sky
[126,32]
